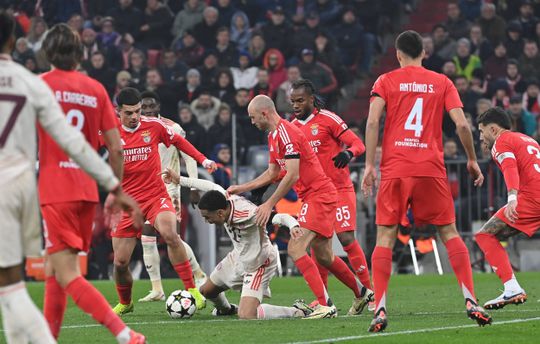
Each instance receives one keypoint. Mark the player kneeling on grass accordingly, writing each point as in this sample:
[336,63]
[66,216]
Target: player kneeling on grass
[252,263]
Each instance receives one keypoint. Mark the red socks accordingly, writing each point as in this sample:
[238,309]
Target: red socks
[358,262]
[345,275]
[124,293]
[307,267]
[496,255]
[92,302]
[54,305]
[185,273]
[381,267]
[322,270]
[458,254]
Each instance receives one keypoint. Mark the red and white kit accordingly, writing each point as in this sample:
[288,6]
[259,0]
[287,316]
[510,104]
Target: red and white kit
[314,187]
[328,135]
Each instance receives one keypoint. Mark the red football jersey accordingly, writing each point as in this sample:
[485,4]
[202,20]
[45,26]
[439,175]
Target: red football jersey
[88,108]
[324,130]
[288,142]
[142,163]
[415,102]
[526,152]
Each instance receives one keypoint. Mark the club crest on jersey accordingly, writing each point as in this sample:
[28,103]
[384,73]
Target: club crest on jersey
[314,129]
[146,136]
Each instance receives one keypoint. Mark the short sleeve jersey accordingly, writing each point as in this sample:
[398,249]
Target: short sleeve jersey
[416,99]
[526,152]
[142,163]
[87,107]
[288,142]
[322,130]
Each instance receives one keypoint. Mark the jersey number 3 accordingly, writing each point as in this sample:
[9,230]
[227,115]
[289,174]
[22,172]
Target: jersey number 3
[12,118]
[414,120]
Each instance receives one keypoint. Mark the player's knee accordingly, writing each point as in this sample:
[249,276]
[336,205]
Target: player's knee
[325,258]
[247,313]
[121,264]
[294,250]
[171,238]
[346,238]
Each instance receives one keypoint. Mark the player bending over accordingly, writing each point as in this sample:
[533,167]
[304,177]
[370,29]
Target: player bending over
[412,167]
[26,100]
[518,157]
[251,264]
[141,137]
[170,158]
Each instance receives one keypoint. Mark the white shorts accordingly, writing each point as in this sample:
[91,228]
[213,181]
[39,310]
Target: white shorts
[20,228]
[255,284]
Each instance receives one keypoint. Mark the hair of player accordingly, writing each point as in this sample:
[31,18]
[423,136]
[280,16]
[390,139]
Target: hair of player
[497,116]
[7,28]
[410,43]
[213,200]
[128,96]
[151,94]
[63,47]
[309,88]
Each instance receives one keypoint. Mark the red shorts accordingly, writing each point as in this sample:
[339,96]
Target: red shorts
[68,225]
[430,200]
[150,209]
[528,210]
[345,211]
[318,213]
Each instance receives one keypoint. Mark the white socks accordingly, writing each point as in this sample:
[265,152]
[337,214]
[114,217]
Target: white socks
[152,261]
[266,311]
[221,302]
[285,220]
[512,286]
[22,320]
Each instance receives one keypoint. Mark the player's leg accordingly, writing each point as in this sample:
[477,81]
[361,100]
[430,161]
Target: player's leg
[55,300]
[198,274]
[216,294]
[488,238]
[152,264]
[123,249]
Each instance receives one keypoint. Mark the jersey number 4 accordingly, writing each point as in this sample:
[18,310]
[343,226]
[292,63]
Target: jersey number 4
[414,120]
[12,118]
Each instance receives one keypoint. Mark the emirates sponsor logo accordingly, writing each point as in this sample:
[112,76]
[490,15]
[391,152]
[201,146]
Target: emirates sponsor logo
[137,154]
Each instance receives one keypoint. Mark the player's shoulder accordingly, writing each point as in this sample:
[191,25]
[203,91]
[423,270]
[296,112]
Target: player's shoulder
[152,122]
[328,117]
[287,130]
[242,209]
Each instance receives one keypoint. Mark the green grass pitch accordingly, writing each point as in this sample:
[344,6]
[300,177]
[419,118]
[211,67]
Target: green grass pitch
[422,309]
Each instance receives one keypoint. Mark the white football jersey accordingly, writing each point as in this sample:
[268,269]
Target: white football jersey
[24,100]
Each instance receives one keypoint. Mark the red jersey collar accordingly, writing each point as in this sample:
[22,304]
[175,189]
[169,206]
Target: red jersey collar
[309,118]
[131,130]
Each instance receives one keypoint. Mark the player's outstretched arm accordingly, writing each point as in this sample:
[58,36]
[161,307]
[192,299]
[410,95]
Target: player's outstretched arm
[465,136]
[116,152]
[185,146]
[267,177]
[376,110]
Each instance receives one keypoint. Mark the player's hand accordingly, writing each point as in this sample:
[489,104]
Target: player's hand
[121,201]
[369,180]
[210,165]
[235,189]
[297,232]
[511,211]
[169,176]
[111,215]
[263,214]
[342,159]
[194,197]
[475,172]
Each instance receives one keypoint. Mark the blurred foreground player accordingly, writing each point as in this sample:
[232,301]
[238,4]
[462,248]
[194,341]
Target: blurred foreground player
[142,167]
[412,167]
[26,100]
[518,157]
[170,158]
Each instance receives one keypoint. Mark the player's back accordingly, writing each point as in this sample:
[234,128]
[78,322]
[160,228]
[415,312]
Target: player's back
[526,151]
[415,102]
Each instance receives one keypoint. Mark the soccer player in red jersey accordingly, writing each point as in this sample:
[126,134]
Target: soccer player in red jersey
[518,157]
[140,138]
[68,207]
[335,145]
[412,167]
[290,151]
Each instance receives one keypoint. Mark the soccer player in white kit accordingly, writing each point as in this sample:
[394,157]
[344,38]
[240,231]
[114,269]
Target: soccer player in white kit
[252,263]
[25,99]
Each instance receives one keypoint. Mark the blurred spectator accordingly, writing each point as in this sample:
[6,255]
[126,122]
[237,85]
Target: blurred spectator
[221,131]
[467,96]
[277,33]
[126,48]
[224,90]
[252,135]
[205,32]
[529,62]
[495,66]
[172,69]
[244,76]
[274,63]
[123,80]
[522,120]
[108,37]
[240,30]
[514,41]
[465,62]
[31,64]
[527,19]
[191,15]
[431,61]
[480,46]
[450,150]
[304,36]
[257,49]
[328,10]
[155,32]
[320,74]
[57,11]
[205,108]
[209,68]
[76,22]
[191,89]
[449,69]
[283,93]
[22,51]
[167,94]
[263,84]
[137,68]
[482,105]
[501,96]
[445,47]
[36,35]
[326,52]
[458,26]
[89,44]
[470,8]
[226,11]
[127,18]
[531,102]
[221,154]
[515,82]
[195,133]
[478,83]
[99,70]
[493,26]
[226,51]
[191,51]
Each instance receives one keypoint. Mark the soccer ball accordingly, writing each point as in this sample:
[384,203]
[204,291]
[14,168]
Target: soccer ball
[180,304]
